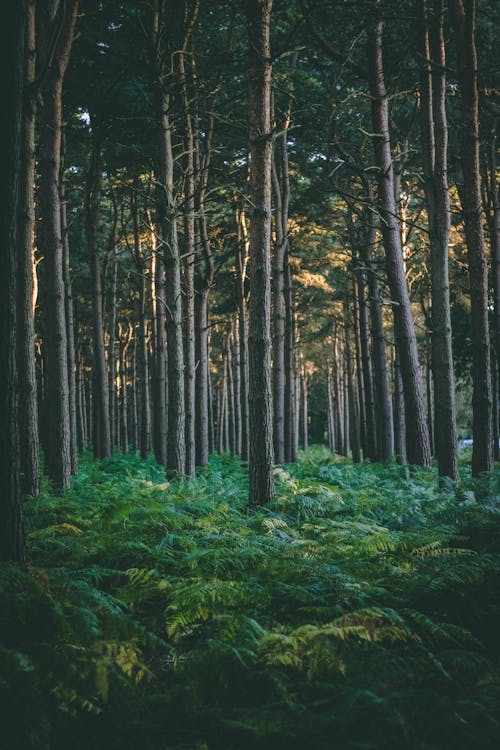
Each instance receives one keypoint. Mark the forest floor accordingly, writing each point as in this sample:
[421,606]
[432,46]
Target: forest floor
[360,610]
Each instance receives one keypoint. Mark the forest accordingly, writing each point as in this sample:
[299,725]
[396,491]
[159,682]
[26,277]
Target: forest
[250,381]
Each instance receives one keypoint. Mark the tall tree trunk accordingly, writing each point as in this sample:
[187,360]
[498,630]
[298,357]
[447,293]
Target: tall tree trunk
[464,18]
[399,415]
[159,381]
[12,46]
[49,235]
[102,444]
[176,420]
[142,335]
[491,186]
[368,393]
[289,360]
[28,407]
[259,326]
[304,409]
[112,364]
[189,268]
[241,272]
[237,385]
[354,427]
[278,308]
[70,329]
[383,410]
[434,128]
[404,329]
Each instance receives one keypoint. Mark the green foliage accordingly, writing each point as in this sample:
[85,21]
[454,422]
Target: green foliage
[359,610]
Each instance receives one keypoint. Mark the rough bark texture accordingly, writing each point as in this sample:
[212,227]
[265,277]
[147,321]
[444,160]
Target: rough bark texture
[381,391]
[464,21]
[241,272]
[418,447]
[434,129]
[102,444]
[259,339]
[12,38]
[176,442]
[70,329]
[368,394]
[189,266]
[28,407]
[57,447]
[159,381]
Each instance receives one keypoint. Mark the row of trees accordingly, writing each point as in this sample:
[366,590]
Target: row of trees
[233,227]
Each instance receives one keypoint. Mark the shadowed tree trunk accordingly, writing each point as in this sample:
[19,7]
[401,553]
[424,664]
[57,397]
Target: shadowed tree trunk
[102,444]
[379,358]
[28,407]
[49,235]
[70,328]
[12,41]
[241,272]
[399,415]
[491,188]
[434,129]
[417,433]
[464,14]
[261,457]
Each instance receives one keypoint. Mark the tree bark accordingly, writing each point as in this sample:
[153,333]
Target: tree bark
[49,235]
[404,329]
[102,444]
[28,406]
[259,327]
[464,16]
[70,329]
[383,410]
[12,46]
[434,129]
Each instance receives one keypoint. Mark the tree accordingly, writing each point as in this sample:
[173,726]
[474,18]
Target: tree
[434,129]
[258,14]
[58,20]
[464,21]
[12,46]
[417,437]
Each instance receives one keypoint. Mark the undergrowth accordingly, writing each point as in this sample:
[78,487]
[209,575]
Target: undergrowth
[359,611]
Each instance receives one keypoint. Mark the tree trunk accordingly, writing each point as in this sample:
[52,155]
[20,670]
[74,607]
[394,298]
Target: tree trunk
[404,329]
[112,362]
[237,385]
[102,444]
[368,393]
[290,378]
[383,410]
[464,12]
[28,407]
[241,272]
[259,326]
[70,329]
[49,235]
[278,310]
[434,129]
[12,46]
[159,355]
[399,415]
[176,419]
